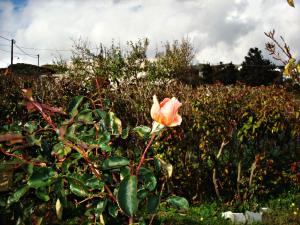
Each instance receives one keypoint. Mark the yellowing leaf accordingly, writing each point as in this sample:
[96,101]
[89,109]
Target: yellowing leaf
[298,67]
[58,208]
[291,3]
[289,67]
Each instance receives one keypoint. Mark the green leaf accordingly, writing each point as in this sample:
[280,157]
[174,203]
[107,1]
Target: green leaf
[113,210]
[115,124]
[32,140]
[124,172]
[157,164]
[142,194]
[153,203]
[125,133]
[30,126]
[104,138]
[78,187]
[61,150]
[127,195]
[70,133]
[95,183]
[74,104]
[178,202]
[101,207]
[42,194]
[41,177]
[142,131]
[85,116]
[101,114]
[15,197]
[114,162]
[149,179]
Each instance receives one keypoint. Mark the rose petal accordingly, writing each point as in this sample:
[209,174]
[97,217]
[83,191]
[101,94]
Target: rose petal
[155,109]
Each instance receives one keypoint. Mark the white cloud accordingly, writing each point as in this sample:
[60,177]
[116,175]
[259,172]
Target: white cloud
[219,30]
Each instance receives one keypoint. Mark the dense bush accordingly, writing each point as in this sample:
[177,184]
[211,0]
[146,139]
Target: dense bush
[235,143]
[238,141]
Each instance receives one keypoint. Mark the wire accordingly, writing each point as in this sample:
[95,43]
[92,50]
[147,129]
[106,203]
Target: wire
[25,53]
[4,38]
[48,49]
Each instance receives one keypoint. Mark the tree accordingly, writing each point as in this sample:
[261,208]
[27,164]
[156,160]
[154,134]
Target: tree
[256,70]
[227,74]
[207,73]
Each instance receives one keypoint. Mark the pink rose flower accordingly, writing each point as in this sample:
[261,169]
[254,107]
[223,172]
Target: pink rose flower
[166,112]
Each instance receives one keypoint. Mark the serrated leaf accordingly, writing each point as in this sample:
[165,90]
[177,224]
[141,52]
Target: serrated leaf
[74,104]
[78,187]
[15,197]
[142,131]
[153,203]
[127,195]
[41,177]
[114,162]
[178,202]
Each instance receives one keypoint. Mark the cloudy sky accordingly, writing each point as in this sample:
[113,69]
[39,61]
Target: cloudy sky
[220,30]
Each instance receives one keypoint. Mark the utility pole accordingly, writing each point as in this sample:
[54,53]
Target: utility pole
[38,56]
[12,52]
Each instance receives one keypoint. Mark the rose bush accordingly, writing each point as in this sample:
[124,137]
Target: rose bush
[69,168]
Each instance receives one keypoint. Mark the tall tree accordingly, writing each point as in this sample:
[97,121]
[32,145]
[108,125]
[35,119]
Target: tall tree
[256,70]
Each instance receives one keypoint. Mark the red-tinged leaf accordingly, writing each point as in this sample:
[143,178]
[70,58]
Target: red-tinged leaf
[13,138]
[35,106]
[52,110]
[27,93]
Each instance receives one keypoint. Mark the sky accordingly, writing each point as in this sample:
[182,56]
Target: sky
[219,30]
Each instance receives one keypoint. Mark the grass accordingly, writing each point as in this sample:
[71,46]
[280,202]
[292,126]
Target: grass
[284,211]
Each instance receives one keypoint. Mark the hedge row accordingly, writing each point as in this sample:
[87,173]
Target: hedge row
[235,142]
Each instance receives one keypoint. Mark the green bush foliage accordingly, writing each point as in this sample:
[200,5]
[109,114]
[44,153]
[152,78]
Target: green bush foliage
[69,167]
[238,139]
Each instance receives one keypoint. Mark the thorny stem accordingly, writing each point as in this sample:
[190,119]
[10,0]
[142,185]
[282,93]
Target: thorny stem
[144,154]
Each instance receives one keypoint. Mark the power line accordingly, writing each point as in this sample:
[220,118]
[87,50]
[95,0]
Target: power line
[25,53]
[47,49]
[4,50]
[15,53]
[4,38]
